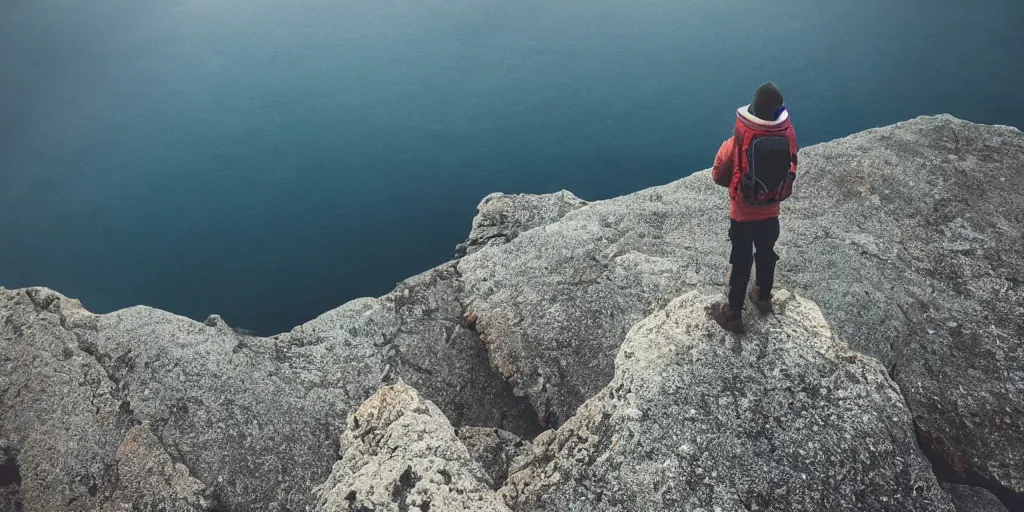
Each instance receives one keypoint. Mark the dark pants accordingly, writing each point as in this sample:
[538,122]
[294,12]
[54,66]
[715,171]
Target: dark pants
[747,236]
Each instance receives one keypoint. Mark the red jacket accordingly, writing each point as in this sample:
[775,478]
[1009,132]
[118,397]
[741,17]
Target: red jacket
[725,173]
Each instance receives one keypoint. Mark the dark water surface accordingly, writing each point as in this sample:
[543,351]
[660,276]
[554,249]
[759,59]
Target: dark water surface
[268,160]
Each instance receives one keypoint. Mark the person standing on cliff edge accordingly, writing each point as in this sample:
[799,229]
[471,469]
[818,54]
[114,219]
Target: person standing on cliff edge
[758,165]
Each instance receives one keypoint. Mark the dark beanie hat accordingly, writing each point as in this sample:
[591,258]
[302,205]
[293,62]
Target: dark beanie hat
[767,102]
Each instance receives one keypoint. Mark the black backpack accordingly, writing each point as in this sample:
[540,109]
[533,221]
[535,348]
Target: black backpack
[769,176]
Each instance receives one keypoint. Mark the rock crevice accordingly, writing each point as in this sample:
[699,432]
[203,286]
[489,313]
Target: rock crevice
[966,485]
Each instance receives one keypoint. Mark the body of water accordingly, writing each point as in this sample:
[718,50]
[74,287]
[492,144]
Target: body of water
[269,160]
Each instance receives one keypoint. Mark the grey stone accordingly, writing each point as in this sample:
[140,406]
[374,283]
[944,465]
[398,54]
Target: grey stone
[149,479]
[446,361]
[911,241]
[973,499]
[68,438]
[255,420]
[554,304]
[909,238]
[785,417]
[497,451]
[502,217]
[215,321]
[400,454]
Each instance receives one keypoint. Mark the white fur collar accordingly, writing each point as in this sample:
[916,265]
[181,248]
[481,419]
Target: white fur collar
[742,112]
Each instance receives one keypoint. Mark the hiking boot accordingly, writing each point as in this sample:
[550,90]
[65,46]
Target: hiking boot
[764,306]
[727,318]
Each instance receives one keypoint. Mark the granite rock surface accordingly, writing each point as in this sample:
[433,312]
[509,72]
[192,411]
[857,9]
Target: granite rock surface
[908,238]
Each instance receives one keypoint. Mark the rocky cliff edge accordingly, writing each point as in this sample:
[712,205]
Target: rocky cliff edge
[564,361]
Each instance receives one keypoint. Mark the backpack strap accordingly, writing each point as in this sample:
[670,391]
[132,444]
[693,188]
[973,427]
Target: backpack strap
[739,139]
[793,148]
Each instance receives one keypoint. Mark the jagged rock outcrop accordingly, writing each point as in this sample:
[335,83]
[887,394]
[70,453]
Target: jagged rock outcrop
[70,441]
[554,304]
[434,351]
[909,237]
[973,499]
[497,451]
[502,217]
[914,251]
[401,454]
[255,420]
[783,418]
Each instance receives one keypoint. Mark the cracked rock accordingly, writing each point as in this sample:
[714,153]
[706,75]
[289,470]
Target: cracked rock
[865,235]
[497,451]
[906,237]
[150,480]
[70,442]
[254,420]
[402,454]
[502,217]
[973,499]
[785,417]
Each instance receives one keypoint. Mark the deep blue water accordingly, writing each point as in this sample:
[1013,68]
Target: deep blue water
[268,160]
